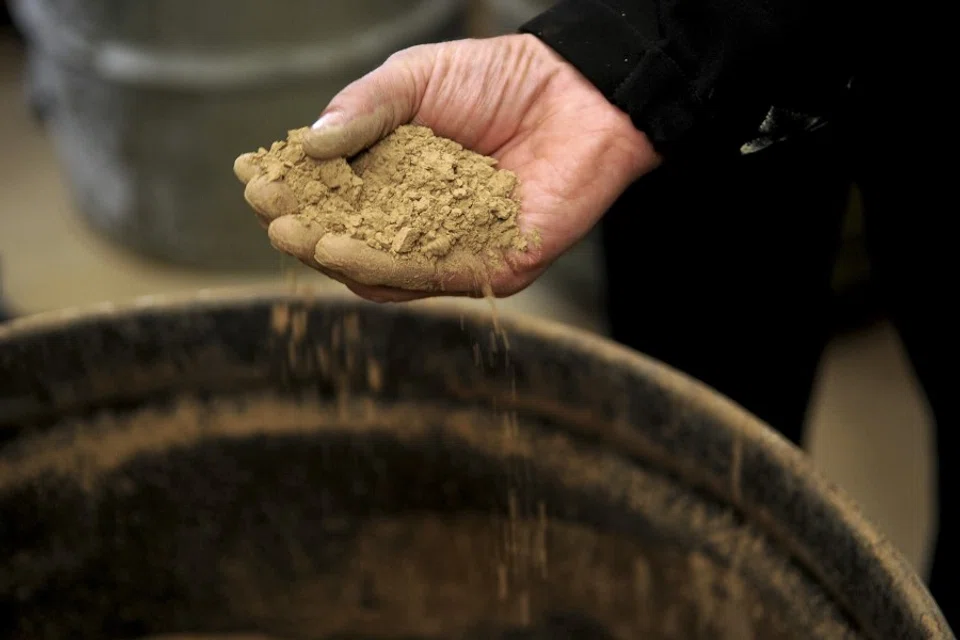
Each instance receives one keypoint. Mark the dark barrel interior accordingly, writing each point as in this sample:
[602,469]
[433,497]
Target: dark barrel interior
[319,468]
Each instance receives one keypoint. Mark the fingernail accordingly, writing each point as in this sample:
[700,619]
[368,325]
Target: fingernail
[329,139]
[326,120]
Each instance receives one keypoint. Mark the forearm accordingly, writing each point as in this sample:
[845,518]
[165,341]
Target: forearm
[706,72]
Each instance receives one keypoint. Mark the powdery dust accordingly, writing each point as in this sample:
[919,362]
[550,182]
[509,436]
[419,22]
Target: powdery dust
[414,195]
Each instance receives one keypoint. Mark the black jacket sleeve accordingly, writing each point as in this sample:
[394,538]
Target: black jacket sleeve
[708,72]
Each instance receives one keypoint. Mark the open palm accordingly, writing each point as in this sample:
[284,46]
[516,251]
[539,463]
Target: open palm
[512,98]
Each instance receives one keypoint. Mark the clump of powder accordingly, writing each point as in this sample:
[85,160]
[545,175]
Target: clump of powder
[414,195]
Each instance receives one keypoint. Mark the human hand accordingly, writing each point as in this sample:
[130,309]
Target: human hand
[512,98]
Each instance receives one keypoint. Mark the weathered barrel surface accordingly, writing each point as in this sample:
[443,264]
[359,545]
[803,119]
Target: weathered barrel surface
[317,467]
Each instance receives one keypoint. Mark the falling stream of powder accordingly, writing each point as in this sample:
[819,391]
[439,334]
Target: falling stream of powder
[421,197]
[524,551]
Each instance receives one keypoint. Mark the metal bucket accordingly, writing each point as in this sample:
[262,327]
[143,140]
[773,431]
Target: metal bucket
[149,102]
[321,468]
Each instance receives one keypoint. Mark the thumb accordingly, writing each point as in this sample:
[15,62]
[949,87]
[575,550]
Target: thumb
[373,106]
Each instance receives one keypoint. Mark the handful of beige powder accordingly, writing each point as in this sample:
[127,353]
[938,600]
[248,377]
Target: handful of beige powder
[414,195]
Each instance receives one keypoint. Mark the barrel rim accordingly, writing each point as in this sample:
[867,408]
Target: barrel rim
[910,597]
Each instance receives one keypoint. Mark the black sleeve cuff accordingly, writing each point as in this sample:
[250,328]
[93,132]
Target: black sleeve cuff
[617,50]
